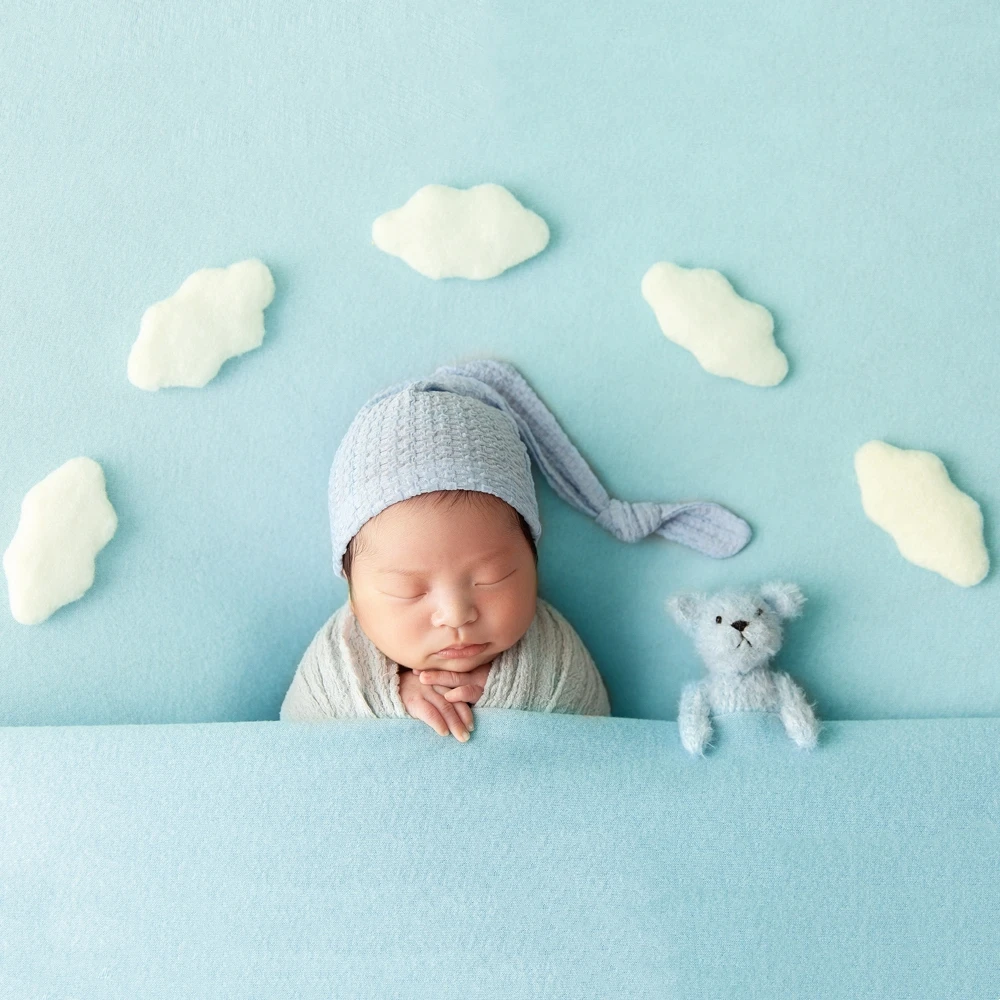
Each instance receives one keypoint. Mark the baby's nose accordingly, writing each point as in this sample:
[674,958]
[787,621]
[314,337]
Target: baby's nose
[740,625]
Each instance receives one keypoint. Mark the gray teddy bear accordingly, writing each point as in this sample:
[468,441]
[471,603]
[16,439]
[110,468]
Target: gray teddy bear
[737,634]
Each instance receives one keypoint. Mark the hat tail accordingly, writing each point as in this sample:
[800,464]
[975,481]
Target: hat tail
[707,527]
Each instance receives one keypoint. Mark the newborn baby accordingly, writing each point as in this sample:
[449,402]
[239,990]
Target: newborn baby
[442,583]
[443,613]
[434,523]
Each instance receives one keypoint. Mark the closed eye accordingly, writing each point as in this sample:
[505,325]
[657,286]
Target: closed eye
[416,597]
[495,582]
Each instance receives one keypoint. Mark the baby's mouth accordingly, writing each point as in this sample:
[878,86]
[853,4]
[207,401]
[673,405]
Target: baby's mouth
[457,652]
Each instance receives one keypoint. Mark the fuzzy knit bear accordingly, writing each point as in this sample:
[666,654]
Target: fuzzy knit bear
[736,635]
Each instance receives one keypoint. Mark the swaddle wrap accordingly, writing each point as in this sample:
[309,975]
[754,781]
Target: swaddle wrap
[344,675]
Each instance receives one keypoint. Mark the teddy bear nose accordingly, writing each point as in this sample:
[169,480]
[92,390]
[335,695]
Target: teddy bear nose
[740,625]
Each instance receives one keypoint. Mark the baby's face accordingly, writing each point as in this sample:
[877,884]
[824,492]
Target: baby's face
[430,577]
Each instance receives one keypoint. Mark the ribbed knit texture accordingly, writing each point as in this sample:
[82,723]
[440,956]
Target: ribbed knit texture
[476,426]
[344,675]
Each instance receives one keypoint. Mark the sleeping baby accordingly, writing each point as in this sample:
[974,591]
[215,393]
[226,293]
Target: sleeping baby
[434,524]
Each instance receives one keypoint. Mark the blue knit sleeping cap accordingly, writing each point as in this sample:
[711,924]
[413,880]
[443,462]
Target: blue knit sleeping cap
[471,427]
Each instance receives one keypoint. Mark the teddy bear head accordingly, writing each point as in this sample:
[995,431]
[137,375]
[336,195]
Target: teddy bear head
[737,631]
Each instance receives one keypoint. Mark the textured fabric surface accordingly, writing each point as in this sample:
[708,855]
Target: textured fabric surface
[343,674]
[551,856]
[472,427]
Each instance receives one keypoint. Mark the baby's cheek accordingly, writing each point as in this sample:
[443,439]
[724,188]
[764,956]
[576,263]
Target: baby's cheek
[515,618]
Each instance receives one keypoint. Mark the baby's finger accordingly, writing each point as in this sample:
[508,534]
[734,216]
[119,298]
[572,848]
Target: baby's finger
[426,712]
[451,716]
[466,714]
[470,693]
[447,678]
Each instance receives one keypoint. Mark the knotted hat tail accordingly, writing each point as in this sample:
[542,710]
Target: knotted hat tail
[707,527]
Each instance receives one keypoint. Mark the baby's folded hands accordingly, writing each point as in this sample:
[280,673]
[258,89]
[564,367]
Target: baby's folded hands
[458,687]
[441,698]
[424,702]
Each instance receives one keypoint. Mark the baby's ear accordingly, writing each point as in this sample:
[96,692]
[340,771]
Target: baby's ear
[684,608]
[785,599]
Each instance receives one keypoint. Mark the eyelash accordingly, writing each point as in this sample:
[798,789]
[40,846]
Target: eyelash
[493,584]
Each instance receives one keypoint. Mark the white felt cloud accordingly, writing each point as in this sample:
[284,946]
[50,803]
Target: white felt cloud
[446,232]
[66,519]
[216,314]
[729,335]
[909,494]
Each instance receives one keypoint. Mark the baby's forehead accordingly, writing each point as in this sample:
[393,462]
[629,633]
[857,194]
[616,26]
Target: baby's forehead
[486,531]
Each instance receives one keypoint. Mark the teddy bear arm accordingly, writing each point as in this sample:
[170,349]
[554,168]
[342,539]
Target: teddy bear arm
[693,718]
[796,713]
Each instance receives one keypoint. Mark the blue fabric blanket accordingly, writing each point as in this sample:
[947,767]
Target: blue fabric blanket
[551,856]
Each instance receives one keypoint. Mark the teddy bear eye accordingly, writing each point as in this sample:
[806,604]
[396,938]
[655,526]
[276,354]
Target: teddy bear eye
[718,619]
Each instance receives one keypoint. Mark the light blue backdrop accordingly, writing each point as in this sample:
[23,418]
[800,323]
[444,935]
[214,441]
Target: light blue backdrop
[836,162]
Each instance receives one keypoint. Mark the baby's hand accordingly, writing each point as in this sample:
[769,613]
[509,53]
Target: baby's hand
[424,703]
[467,687]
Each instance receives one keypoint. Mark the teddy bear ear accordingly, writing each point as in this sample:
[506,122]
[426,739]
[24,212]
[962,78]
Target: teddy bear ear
[784,598]
[684,609]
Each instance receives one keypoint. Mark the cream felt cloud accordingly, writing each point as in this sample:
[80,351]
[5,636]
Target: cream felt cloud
[446,232]
[66,519]
[909,494]
[728,335]
[216,314]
